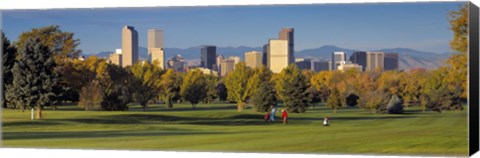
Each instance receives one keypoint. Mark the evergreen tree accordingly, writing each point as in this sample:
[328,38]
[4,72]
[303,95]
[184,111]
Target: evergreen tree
[291,87]
[34,78]
[262,89]
[221,91]
[9,53]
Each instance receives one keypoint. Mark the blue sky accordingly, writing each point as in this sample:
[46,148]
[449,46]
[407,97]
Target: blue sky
[421,26]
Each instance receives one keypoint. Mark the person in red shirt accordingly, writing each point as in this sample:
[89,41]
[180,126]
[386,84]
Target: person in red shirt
[284,116]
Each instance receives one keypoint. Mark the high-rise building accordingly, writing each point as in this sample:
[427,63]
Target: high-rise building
[359,58]
[338,58]
[176,63]
[303,64]
[235,58]
[208,57]
[288,34]
[155,47]
[155,38]
[265,55]
[116,58]
[321,66]
[375,61]
[227,66]
[219,60]
[391,61]
[157,57]
[253,59]
[129,46]
[278,56]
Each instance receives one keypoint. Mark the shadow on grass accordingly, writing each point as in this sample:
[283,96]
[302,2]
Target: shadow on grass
[30,123]
[199,108]
[96,134]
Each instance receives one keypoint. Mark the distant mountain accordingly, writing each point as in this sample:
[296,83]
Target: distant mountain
[409,58]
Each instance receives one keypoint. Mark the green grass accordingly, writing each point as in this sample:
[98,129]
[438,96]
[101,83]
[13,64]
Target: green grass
[219,127]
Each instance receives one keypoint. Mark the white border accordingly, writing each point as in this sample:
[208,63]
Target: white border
[74,153]
[49,4]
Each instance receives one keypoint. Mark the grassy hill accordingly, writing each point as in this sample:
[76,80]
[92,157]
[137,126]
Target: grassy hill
[218,127]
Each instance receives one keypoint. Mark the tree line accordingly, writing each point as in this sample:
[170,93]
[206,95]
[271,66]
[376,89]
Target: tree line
[42,69]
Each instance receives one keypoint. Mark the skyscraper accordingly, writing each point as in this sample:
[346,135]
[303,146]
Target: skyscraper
[265,55]
[278,56]
[219,60]
[359,58]
[129,46]
[227,66]
[155,47]
[208,57]
[157,56]
[375,61]
[253,59]
[391,61]
[287,34]
[338,58]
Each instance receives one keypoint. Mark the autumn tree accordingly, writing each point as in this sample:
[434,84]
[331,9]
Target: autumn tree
[170,86]
[33,76]
[291,87]
[146,82]
[456,80]
[334,100]
[236,83]
[211,88]
[194,87]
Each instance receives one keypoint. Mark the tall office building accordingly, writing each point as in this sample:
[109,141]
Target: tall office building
[219,60]
[321,66]
[278,56]
[155,47]
[287,34]
[253,59]
[303,64]
[116,58]
[338,58]
[157,56]
[227,66]
[265,55]
[375,61]
[359,58]
[208,57]
[129,46]
[391,61]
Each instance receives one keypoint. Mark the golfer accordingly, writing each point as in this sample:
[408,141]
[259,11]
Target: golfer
[284,116]
[325,121]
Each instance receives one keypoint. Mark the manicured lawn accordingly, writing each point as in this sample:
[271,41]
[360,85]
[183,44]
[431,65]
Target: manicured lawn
[219,127]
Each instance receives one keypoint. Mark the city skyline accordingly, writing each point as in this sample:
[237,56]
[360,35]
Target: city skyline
[421,26]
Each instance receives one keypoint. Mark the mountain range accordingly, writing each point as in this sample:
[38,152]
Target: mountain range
[408,58]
